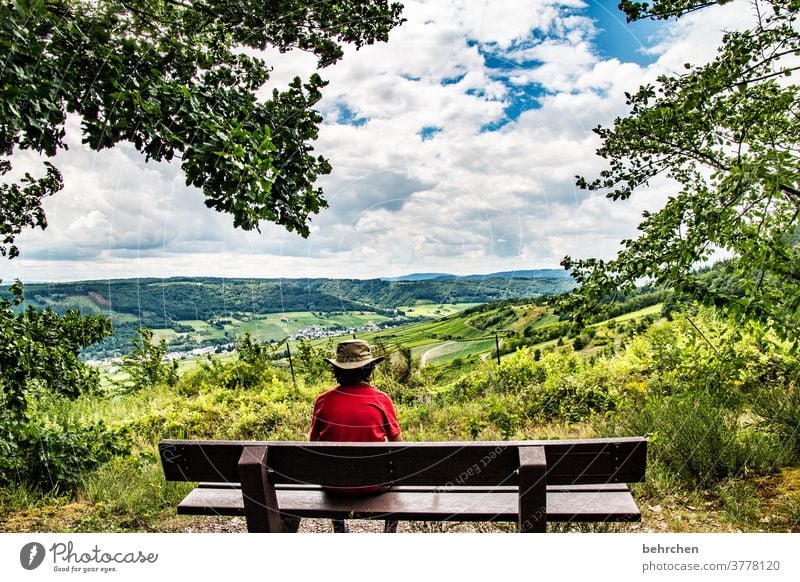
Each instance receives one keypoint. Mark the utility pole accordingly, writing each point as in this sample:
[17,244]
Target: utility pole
[291,366]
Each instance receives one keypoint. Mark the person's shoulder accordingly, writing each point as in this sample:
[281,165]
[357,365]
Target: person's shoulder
[382,394]
[327,393]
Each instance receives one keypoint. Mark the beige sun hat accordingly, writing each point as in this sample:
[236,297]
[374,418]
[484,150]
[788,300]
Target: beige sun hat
[354,354]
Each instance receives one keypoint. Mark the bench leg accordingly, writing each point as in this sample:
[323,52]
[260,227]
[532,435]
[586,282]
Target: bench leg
[258,493]
[532,490]
[291,524]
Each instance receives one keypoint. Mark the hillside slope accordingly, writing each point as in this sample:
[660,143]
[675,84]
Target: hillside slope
[159,302]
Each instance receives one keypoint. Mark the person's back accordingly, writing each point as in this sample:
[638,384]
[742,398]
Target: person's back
[354,411]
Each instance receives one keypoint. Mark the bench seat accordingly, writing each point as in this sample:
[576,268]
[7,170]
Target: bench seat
[583,503]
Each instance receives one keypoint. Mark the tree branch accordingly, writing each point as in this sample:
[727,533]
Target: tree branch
[708,341]
[790,191]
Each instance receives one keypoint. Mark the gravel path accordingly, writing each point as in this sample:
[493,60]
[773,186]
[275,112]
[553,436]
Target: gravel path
[434,352]
[238,525]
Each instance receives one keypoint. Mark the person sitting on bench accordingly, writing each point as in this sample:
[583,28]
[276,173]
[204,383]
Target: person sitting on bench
[355,411]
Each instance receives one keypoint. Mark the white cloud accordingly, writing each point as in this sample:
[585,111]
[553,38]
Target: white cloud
[463,199]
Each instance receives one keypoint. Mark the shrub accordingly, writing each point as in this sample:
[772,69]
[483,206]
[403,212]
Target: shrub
[144,364]
[696,439]
[220,413]
[252,372]
[502,415]
[520,371]
[47,454]
[399,365]
[311,361]
[779,409]
[567,398]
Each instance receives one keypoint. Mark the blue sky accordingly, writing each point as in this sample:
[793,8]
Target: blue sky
[455,148]
[616,38]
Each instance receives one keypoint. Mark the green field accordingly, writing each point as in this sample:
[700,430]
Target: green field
[84,304]
[449,351]
[544,320]
[435,309]
[652,310]
[458,334]
[273,326]
[427,337]
[278,326]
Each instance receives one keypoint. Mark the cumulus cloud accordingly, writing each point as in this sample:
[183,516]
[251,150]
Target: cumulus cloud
[455,148]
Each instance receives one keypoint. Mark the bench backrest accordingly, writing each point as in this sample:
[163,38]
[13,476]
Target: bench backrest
[587,461]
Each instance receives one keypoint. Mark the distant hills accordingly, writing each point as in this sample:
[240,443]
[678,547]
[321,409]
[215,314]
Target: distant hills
[527,274]
[159,303]
[210,311]
[418,277]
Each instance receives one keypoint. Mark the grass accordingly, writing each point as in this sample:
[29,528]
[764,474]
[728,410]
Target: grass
[86,305]
[654,310]
[165,334]
[450,351]
[543,320]
[435,310]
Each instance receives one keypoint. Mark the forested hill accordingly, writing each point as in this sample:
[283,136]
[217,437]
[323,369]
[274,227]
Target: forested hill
[392,294]
[204,298]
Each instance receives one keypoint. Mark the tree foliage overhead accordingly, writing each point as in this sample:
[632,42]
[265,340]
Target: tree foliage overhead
[177,79]
[727,134]
[663,9]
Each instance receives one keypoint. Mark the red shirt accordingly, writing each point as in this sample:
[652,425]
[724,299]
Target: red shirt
[358,413]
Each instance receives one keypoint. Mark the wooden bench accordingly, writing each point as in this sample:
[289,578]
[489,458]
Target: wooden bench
[273,484]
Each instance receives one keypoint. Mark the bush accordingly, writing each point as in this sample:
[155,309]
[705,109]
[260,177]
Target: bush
[779,409]
[567,398]
[273,411]
[250,372]
[48,455]
[311,361]
[503,416]
[557,386]
[144,364]
[245,376]
[399,365]
[696,439]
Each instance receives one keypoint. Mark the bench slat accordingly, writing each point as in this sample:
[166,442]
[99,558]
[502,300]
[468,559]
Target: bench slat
[620,460]
[564,504]
[465,489]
